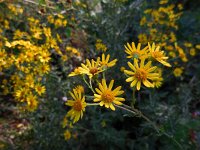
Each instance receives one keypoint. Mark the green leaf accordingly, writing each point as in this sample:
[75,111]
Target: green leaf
[68,32]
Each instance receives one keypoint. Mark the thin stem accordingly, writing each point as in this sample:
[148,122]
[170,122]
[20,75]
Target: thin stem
[91,86]
[104,76]
[92,104]
[88,84]
[134,98]
[125,109]
[89,96]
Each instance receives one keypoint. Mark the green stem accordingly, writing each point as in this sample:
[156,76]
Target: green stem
[88,84]
[134,98]
[92,104]
[104,76]
[89,96]
[91,86]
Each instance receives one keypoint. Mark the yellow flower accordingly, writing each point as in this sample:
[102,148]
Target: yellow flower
[158,82]
[158,55]
[198,46]
[107,96]
[187,44]
[79,89]
[20,94]
[67,135]
[104,62]
[44,56]
[75,72]
[141,74]
[100,46]
[122,69]
[78,105]
[163,2]
[134,52]
[43,68]
[178,72]
[32,102]
[192,52]
[40,89]
[143,38]
[91,68]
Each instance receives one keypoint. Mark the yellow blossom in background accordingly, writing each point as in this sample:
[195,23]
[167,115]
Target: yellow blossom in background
[158,55]
[143,38]
[40,89]
[122,69]
[32,102]
[192,52]
[79,89]
[77,105]
[187,44]
[134,52]
[163,2]
[198,46]
[178,72]
[100,46]
[72,51]
[141,73]
[158,82]
[106,96]
[67,135]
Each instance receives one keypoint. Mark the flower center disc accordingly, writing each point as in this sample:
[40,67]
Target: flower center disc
[93,70]
[77,105]
[135,54]
[107,96]
[141,74]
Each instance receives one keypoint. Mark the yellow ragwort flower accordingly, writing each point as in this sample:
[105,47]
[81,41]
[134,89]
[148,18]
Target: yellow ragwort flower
[79,89]
[91,68]
[40,89]
[178,72]
[104,62]
[67,135]
[75,72]
[158,55]
[134,52]
[107,96]
[141,74]
[78,105]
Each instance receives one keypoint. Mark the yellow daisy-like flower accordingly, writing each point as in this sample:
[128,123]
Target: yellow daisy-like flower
[158,82]
[107,96]
[158,55]
[78,105]
[40,89]
[134,52]
[178,72]
[104,62]
[67,135]
[141,74]
[75,72]
[91,68]
[79,89]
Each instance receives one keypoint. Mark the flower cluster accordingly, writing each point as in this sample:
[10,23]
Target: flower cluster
[26,53]
[161,25]
[144,70]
